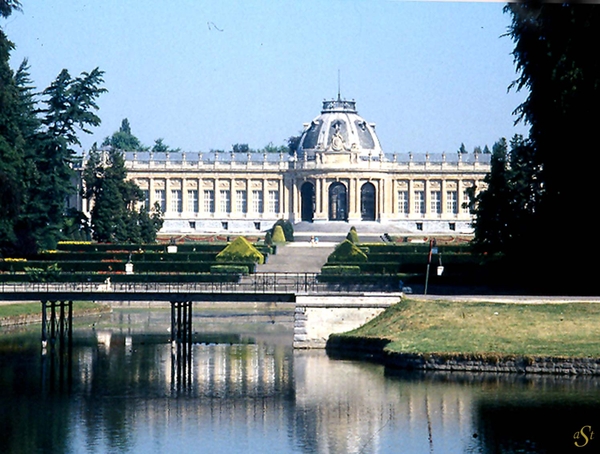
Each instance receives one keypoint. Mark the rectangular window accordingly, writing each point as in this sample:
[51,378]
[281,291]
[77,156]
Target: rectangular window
[192,200]
[403,202]
[209,201]
[176,201]
[257,201]
[160,196]
[241,201]
[466,201]
[436,202]
[452,202]
[274,201]
[420,202]
[225,205]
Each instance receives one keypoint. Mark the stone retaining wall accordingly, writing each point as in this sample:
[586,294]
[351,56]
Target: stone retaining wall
[342,346]
[318,316]
[524,365]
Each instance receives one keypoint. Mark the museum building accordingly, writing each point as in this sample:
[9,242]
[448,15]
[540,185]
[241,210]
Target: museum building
[338,174]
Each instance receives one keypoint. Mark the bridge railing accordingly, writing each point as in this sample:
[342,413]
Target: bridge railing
[260,283]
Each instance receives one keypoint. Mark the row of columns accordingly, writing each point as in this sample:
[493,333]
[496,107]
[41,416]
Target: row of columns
[185,200]
[386,198]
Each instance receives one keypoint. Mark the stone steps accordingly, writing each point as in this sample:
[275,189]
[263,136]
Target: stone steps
[298,257]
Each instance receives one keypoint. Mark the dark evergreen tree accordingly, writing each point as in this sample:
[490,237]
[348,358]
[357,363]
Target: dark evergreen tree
[37,135]
[123,139]
[293,143]
[556,48]
[504,208]
[13,111]
[240,148]
[68,107]
[116,216]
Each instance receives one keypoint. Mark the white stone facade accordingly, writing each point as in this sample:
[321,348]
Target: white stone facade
[339,173]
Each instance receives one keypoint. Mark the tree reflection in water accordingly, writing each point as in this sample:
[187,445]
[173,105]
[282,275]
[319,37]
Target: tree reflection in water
[248,391]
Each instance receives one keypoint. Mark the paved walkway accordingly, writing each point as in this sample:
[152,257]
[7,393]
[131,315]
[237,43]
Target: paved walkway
[298,257]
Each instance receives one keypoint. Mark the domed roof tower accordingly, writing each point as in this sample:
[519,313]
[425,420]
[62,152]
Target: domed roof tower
[339,129]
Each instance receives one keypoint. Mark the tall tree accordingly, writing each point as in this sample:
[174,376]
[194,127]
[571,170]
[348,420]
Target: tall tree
[14,111]
[68,107]
[123,139]
[161,147]
[37,136]
[503,210]
[556,48]
[8,6]
[116,212]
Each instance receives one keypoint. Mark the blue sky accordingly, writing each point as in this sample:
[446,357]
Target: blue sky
[205,75]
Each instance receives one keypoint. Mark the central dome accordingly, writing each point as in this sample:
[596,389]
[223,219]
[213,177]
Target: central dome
[338,129]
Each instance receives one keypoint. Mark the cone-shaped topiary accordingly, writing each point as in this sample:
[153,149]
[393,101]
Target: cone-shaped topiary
[346,252]
[278,235]
[268,239]
[240,250]
[288,229]
[353,236]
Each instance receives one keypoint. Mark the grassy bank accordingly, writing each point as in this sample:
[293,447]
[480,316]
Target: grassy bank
[26,312]
[427,327]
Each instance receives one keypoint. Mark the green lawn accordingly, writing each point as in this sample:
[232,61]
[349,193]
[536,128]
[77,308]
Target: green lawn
[413,326]
[24,309]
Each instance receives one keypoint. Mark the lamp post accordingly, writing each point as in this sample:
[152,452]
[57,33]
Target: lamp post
[431,246]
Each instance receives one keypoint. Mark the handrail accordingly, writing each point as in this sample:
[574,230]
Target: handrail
[258,283]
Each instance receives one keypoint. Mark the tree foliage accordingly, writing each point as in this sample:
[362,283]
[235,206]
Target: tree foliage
[118,214]
[504,209]
[123,139]
[556,48]
[549,177]
[38,136]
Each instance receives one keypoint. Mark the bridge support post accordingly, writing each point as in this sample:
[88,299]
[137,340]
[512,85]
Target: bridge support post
[57,325]
[181,343]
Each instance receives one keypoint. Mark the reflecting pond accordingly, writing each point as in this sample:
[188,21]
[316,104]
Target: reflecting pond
[243,389]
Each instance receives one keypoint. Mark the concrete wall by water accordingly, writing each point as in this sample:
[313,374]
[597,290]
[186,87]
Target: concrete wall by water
[318,316]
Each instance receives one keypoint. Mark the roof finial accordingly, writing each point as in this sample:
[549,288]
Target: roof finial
[339,90]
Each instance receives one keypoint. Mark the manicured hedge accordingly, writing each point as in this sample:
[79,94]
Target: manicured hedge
[86,278]
[230,269]
[340,269]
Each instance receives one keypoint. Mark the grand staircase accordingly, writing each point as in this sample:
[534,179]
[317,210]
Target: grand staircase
[298,257]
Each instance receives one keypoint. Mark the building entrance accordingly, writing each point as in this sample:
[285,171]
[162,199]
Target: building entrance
[338,202]
[367,202]
[307,195]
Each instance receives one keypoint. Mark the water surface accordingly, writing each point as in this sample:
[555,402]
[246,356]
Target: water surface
[243,389]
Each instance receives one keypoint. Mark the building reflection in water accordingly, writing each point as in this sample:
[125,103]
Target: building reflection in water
[130,389]
[345,406]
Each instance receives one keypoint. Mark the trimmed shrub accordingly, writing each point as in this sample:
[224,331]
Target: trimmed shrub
[229,269]
[353,235]
[278,235]
[288,229]
[268,239]
[240,250]
[338,270]
[345,252]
